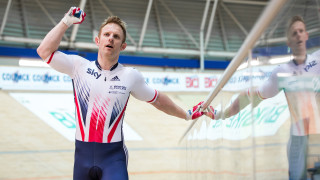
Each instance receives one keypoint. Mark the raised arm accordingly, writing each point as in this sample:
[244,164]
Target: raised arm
[52,40]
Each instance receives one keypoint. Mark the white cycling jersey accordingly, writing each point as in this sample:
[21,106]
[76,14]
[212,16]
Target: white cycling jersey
[299,84]
[311,67]
[101,96]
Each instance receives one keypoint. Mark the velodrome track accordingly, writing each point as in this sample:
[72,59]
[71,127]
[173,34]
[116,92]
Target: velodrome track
[32,150]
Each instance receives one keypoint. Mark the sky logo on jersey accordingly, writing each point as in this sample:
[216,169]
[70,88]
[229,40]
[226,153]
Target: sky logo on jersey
[310,65]
[94,73]
[115,79]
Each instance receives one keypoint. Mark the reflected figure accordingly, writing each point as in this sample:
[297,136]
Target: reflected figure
[300,81]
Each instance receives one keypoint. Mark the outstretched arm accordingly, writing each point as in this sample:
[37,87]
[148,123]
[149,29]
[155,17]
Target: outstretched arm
[241,101]
[165,104]
[52,40]
[237,105]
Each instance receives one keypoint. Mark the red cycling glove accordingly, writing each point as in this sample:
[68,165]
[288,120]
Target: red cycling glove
[195,112]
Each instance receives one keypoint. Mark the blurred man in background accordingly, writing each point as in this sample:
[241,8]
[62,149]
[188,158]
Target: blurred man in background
[302,101]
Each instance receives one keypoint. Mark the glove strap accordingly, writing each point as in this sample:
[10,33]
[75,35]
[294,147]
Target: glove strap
[188,115]
[66,21]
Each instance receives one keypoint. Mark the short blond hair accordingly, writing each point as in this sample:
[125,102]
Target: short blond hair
[115,20]
[293,20]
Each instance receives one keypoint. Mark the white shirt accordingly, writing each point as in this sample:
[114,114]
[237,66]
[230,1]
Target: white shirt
[101,96]
[298,83]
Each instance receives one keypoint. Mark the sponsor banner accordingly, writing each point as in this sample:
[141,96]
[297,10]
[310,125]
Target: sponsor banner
[181,81]
[244,78]
[267,119]
[22,78]
[17,78]
[57,110]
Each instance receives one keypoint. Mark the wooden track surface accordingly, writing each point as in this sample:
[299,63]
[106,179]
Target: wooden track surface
[32,150]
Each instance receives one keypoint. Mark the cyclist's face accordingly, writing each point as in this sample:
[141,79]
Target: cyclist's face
[297,36]
[111,39]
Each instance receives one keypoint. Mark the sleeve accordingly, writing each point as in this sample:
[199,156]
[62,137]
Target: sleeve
[269,88]
[141,90]
[61,62]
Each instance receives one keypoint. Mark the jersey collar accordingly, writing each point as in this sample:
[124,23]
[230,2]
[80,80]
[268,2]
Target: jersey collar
[111,69]
[295,63]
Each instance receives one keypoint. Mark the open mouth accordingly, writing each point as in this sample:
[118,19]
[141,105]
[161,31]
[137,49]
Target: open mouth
[109,46]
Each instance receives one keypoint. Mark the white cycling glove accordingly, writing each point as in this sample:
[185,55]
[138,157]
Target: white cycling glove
[75,15]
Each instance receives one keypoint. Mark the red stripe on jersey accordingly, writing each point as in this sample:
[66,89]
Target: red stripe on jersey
[50,58]
[97,122]
[260,95]
[153,97]
[101,123]
[306,125]
[116,123]
[78,114]
[93,122]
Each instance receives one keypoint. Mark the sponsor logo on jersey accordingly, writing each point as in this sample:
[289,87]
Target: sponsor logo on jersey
[118,87]
[115,79]
[116,92]
[310,65]
[115,89]
[93,73]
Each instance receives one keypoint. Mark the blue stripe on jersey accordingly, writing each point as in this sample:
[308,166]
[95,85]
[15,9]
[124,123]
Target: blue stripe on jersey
[83,96]
[115,112]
